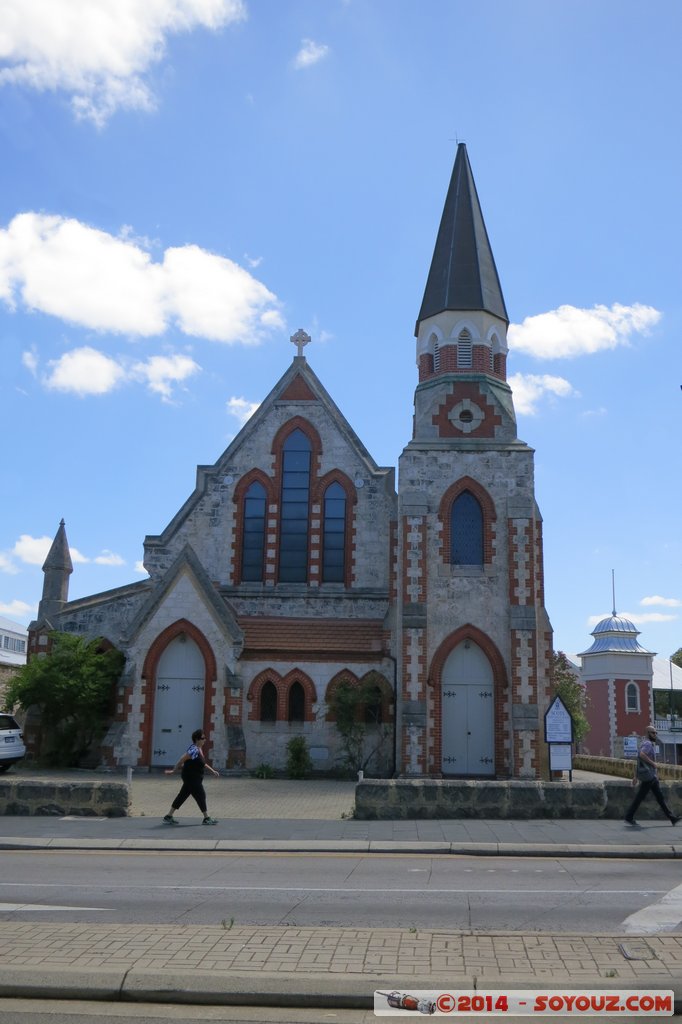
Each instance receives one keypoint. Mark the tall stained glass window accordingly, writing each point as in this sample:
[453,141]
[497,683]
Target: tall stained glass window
[295,506]
[334,535]
[253,540]
[466,531]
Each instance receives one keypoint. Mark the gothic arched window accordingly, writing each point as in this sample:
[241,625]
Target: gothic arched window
[253,543]
[268,703]
[296,703]
[295,507]
[334,535]
[466,530]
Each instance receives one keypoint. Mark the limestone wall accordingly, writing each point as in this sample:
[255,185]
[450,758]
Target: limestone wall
[86,799]
[621,766]
[412,799]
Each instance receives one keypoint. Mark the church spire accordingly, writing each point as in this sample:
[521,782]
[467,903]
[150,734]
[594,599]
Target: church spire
[57,569]
[463,275]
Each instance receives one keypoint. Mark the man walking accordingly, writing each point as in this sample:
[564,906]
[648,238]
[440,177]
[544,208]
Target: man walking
[645,774]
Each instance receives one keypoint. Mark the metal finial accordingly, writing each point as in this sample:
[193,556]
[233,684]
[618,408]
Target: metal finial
[613,589]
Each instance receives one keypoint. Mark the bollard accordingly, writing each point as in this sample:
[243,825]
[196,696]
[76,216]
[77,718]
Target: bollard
[361,775]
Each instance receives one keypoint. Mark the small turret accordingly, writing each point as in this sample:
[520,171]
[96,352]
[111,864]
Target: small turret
[57,568]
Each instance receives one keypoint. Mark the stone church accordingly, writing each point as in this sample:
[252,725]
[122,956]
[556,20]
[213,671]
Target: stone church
[296,566]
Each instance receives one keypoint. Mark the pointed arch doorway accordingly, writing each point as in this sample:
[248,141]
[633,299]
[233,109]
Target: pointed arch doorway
[178,699]
[467,712]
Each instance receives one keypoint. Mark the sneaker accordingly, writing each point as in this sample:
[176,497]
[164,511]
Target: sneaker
[674,820]
[210,821]
[630,821]
[170,820]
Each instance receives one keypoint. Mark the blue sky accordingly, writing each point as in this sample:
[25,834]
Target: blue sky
[184,183]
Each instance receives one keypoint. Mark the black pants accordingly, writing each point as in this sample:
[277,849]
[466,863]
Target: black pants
[651,786]
[191,786]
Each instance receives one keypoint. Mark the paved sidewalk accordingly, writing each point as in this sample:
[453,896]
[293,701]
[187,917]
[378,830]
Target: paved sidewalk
[315,816]
[317,966]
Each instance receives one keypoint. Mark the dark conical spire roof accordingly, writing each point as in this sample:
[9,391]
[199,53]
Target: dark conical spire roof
[59,556]
[463,274]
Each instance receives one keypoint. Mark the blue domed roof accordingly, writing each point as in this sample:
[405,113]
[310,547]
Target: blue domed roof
[616,635]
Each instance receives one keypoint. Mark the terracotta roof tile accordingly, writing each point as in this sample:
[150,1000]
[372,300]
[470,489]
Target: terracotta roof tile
[312,638]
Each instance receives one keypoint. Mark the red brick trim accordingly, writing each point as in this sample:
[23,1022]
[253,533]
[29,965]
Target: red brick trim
[385,689]
[466,483]
[282,684]
[149,669]
[296,676]
[500,683]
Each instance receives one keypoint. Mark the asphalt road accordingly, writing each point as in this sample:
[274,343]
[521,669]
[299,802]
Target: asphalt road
[505,894]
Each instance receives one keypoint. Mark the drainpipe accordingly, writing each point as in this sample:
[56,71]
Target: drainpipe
[389,657]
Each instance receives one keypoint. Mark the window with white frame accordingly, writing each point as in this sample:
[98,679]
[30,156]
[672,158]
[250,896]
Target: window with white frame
[632,697]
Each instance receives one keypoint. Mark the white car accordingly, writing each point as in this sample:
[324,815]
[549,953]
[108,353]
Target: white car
[12,747]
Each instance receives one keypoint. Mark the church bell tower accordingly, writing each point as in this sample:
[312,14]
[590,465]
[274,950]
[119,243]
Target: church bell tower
[474,639]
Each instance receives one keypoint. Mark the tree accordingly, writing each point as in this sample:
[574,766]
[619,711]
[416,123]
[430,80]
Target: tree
[72,689]
[676,658]
[356,708]
[565,684]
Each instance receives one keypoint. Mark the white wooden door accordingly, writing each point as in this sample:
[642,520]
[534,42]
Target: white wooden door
[468,713]
[178,700]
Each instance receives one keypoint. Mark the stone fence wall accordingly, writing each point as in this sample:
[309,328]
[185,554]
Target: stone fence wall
[621,766]
[392,799]
[86,799]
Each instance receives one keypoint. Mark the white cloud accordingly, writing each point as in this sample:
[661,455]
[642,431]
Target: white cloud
[309,54]
[30,361]
[212,297]
[98,51]
[569,331]
[241,408]
[161,372]
[637,618]
[530,389]
[139,567]
[18,609]
[667,602]
[7,565]
[109,558]
[34,550]
[84,371]
[84,276]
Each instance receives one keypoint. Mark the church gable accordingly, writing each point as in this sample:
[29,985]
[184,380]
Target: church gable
[288,501]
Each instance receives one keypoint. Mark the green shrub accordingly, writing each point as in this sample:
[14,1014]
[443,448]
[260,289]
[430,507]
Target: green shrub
[299,762]
[264,771]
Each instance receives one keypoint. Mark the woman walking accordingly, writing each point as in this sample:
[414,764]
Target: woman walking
[192,765]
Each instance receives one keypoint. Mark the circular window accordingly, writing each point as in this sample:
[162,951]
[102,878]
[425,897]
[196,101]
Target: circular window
[466,416]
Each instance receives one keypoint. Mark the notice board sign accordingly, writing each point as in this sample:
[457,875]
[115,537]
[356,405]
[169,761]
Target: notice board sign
[630,746]
[560,759]
[558,723]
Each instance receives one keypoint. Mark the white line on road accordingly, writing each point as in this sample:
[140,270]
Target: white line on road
[106,887]
[6,907]
[662,916]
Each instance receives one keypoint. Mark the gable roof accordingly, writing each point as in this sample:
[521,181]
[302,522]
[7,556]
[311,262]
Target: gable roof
[297,384]
[187,560]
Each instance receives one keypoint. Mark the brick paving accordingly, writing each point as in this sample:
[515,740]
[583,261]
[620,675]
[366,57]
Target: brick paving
[412,956]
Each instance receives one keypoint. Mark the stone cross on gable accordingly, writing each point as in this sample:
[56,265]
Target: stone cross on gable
[300,340]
